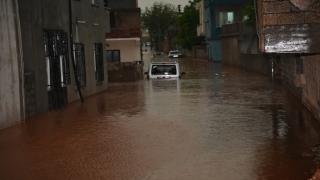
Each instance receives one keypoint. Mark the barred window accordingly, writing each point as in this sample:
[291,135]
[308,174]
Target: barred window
[79,58]
[98,62]
[57,59]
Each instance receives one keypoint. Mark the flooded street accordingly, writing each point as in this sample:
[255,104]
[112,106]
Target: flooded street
[216,122]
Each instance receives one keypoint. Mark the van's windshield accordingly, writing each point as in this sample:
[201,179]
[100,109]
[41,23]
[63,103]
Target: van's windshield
[163,70]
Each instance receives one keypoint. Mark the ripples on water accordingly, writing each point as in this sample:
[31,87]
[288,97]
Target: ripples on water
[217,122]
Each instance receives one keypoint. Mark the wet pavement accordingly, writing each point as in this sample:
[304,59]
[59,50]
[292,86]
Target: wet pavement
[217,122]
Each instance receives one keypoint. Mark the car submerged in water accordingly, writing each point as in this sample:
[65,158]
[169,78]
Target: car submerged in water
[164,70]
[175,54]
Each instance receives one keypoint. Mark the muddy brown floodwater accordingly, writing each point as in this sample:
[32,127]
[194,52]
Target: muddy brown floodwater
[217,122]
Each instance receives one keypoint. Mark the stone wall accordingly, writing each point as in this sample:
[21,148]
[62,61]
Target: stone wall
[290,26]
[128,23]
[127,71]
[311,86]
[291,68]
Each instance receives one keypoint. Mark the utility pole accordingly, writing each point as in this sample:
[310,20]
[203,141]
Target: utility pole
[159,37]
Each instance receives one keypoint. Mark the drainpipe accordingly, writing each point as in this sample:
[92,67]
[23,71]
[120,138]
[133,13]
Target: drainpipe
[72,57]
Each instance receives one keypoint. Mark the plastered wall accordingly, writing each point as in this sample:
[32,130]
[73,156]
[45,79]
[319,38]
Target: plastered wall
[11,94]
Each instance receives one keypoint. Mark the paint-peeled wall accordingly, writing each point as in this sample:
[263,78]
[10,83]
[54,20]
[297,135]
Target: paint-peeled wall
[10,66]
[289,26]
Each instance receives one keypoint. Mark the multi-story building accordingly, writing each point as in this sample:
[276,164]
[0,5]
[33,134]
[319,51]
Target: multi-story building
[124,49]
[201,26]
[216,14]
[291,29]
[53,53]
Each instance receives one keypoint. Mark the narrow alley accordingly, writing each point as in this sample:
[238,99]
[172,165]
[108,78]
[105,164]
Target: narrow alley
[216,122]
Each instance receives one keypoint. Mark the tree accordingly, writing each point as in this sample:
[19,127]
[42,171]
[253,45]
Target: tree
[157,18]
[249,12]
[187,22]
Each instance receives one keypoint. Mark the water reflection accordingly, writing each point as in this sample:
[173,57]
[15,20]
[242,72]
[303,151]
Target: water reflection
[216,122]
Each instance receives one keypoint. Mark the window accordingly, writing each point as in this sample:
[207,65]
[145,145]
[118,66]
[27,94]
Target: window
[79,58]
[57,59]
[98,62]
[113,55]
[112,20]
[225,18]
[164,70]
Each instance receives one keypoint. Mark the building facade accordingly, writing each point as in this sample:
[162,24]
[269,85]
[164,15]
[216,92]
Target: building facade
[202,18]
[290,29]
[216,14]
[124,47]
[11,65]
[56,43]
[125,35]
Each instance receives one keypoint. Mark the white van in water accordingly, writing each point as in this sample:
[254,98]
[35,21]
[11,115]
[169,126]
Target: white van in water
[163,70]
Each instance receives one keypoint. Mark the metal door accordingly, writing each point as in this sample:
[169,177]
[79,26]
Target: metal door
[58,71]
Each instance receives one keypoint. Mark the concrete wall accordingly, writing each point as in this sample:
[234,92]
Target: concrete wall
[88,34]
[235,41]
[200,52]
[11,94]
[129,49]
[128,23]
[311,89]
[39,15]
[213,29]
[126,36]
[202,20]
[231,50]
